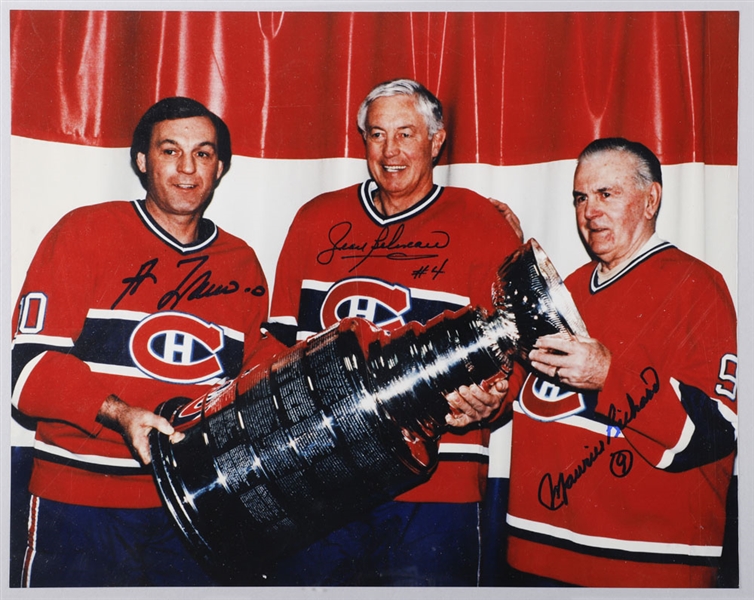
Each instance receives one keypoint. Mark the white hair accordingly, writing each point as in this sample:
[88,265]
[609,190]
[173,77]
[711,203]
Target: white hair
[426,103]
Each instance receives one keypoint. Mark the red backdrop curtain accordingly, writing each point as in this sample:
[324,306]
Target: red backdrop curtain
[518,88]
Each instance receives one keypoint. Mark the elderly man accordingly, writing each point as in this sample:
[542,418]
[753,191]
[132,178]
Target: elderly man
[126,305]
[394,249]
[624,442]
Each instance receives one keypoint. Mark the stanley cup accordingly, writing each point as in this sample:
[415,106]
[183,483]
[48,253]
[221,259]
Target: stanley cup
[334,426]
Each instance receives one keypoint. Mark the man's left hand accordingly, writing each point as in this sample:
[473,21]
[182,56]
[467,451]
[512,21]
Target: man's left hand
[580,362]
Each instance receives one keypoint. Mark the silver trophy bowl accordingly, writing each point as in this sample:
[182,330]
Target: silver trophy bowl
[340,423]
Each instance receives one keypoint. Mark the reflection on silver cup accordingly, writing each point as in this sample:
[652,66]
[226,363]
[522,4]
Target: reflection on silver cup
[348,419]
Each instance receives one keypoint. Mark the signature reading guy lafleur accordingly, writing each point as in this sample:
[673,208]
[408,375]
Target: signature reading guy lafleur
[193,286]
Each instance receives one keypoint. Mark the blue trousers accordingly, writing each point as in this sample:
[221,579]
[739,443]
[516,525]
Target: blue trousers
[82,546]
[397,544]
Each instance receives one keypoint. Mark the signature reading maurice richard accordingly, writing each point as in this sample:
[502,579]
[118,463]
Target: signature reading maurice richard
[553,490]
[388,244]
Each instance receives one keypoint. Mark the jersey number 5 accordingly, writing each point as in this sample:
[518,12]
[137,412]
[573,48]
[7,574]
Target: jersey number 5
[727,375]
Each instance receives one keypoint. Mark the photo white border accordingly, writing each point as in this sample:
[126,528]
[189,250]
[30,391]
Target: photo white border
[745,299]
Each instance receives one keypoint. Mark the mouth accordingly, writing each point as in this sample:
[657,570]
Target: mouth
[595,228]
[598,232]
[393,168]
[186,186]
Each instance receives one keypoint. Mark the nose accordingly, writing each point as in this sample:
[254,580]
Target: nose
[187,163]
[591,207]
[390,147]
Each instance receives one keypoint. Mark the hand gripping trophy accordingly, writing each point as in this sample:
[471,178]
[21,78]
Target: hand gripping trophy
[341,422]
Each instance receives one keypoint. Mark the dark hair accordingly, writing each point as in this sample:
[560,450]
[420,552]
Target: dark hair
[649,169]
[177,107]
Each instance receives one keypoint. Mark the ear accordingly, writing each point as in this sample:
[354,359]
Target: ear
[220,169]
[653,201]
[141,162]
[437,141]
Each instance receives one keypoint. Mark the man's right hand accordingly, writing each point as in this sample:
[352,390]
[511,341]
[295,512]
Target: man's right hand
[134,424]
[580,362]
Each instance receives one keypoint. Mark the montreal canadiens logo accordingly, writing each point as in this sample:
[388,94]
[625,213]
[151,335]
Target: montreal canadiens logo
[220,396]
[177,347]
[383,304]
[545,401]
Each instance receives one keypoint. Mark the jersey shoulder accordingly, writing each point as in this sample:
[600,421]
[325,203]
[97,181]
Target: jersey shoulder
[695,273]
[479,216]
[85,225]
[467,198]
[94,213]
[229,239]
[344,198]
[237,250]
[670,266]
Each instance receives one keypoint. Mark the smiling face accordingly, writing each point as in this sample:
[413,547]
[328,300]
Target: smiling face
[399,151]
[182,169]
[615,212]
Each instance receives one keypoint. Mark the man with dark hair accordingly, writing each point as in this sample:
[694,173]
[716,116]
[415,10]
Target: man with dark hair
[394,249]
[170,109]
[127,305]
[624,442]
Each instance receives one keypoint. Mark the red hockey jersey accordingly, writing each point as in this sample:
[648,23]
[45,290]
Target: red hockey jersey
[112,304]
[627,487]
[342,258]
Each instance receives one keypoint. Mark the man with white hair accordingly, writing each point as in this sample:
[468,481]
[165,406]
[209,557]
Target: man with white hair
[394,249]
[624,442]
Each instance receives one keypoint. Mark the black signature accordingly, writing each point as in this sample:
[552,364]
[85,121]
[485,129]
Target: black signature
[193,286]
[555,495]
[133,283]
[553,490]
[652,381]
[199,287]
[388,244]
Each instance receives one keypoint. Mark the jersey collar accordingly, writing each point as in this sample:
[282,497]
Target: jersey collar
[207,231]
[367,191]
[654,245]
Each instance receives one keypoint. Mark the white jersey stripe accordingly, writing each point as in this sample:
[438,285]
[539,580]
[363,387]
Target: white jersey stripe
[122,371]
[23,377]
[92,459]
[44,340]
[449,448]
[683,441]
[286,320]
[613,543]
[440,296]
[31,543]
[313,284]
